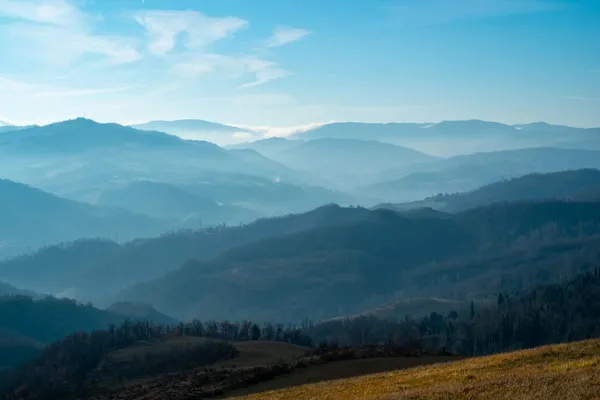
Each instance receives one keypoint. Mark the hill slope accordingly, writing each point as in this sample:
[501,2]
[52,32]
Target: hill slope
[318,274]
[96,269]
[80,159]
[32,218]
[466,173]
[167,201]
[337,270]
[582,185]
[566,371]
[345,161]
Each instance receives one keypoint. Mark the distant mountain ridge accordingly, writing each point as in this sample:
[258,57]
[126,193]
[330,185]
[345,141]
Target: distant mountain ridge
[366,131]
[199,130]
[83,134]
[468,172]
[81,158]
[578,185]
[187,124]
[449,138]
[163,200]
[343,161]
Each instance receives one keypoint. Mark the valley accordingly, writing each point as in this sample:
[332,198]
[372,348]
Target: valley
[287,268]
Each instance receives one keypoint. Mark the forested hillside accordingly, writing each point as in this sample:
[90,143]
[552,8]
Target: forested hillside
[579,185]
[32,218]
[544,314]
[97,269]
[338,270]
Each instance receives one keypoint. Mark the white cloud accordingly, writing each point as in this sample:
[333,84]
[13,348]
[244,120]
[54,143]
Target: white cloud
[52,12]
[262,70]
[59,46]
[164,27]
[283,35]
[283,131]
[57,33]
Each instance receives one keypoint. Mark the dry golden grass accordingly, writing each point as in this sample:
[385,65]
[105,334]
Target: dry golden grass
[568,371]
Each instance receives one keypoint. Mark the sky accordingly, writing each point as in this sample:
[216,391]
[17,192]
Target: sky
[295,63]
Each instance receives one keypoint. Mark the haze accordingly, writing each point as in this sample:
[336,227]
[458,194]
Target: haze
[221,198]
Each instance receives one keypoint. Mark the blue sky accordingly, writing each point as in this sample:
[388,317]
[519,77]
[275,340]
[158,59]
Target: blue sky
[290,64]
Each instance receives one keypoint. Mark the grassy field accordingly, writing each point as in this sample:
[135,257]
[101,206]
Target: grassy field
[253,354]
[157,348]
[339,370]
[568,371]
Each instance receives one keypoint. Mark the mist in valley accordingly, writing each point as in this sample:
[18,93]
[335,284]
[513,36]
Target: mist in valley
[200,200]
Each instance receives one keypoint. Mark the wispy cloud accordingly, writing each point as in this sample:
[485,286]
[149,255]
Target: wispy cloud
[283,131]
[52,12]
[283,35]
[58,33]
[262,71]
[440,11]
[164,27]
[59,46]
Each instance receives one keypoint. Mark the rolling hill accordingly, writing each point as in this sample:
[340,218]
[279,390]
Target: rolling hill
[141,312]
[162,200]
[9,290]
[553,372]
[466,173]
[80,159]
[97,269]
[83,135]
[269,147]
[579,185]
[27,326]
[346,269]
[32,218]
[344,161]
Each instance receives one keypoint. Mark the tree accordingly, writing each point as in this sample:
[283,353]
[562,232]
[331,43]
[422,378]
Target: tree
[255,332]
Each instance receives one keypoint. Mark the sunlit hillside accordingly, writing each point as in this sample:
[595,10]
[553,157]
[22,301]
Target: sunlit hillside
[566,371]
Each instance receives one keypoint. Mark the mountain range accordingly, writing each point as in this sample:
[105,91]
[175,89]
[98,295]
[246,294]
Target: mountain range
[80,159]
[351,267]
[578,185]
[347,162]
[196,129]
[448,138]
[330,262]
[464,173]
[97,269]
